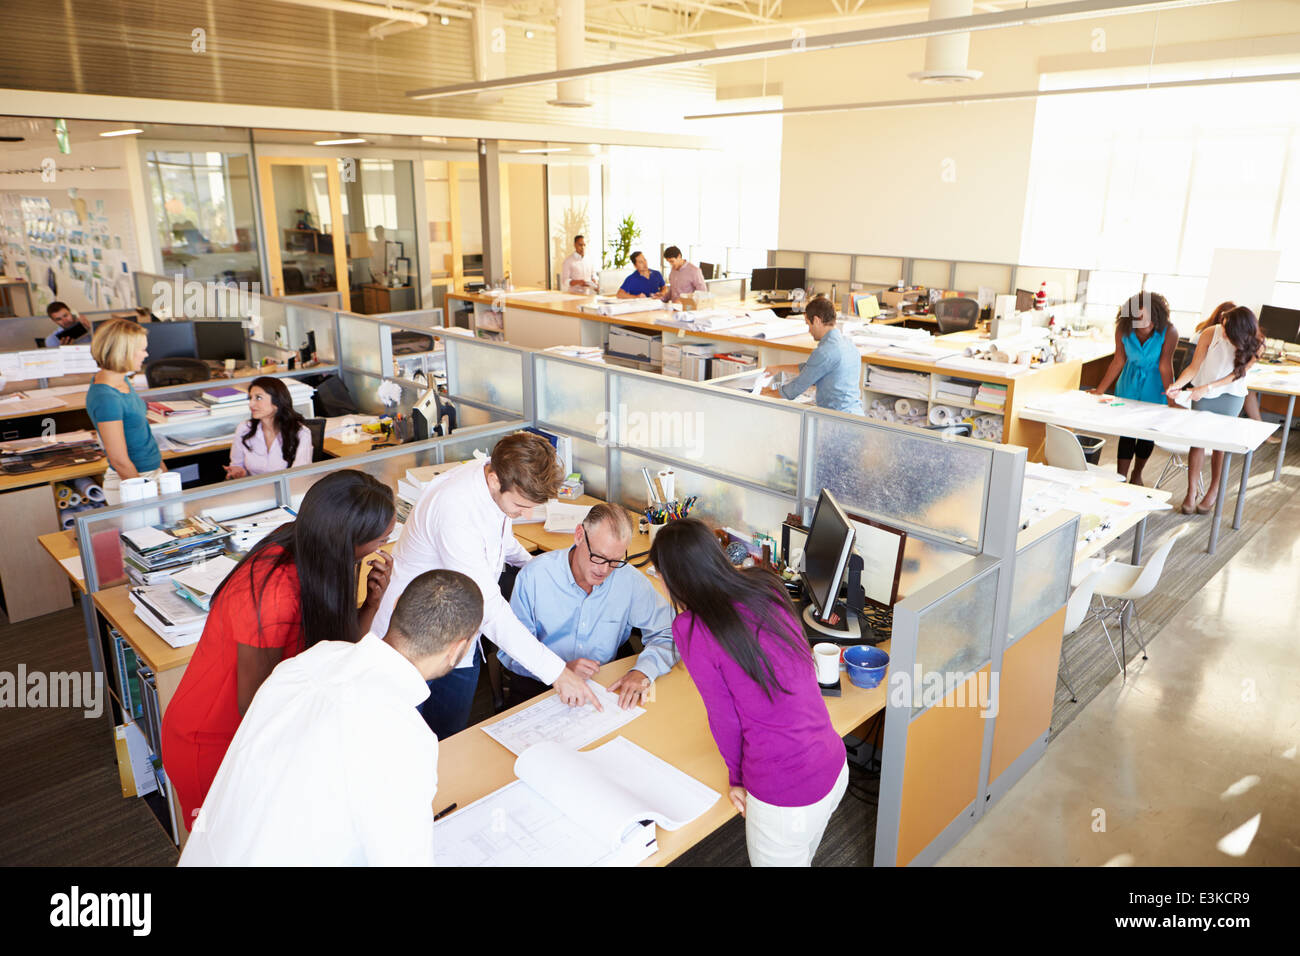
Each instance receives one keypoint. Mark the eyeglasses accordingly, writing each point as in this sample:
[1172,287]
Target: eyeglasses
[614,563]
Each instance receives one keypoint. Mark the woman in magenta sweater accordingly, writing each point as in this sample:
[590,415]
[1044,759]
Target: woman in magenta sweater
[742,644]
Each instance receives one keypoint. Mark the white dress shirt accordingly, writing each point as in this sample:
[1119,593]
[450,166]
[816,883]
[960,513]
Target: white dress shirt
[258,459]
[577,270]
[332,765]
[457,526]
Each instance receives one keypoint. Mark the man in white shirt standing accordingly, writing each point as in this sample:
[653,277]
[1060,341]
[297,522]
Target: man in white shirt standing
[462,522]
[332,764]
[577,275]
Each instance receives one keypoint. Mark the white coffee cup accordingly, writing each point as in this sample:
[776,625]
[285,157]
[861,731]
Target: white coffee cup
[827,658]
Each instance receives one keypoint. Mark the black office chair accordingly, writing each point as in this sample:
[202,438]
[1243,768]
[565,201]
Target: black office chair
[956,315]
[177,370]
[293,280]
[707,269]
[332,398]
[317,428]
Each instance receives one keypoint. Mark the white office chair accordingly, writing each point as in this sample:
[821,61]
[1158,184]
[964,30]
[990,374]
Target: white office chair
[1175,463]
[1076,613]
[1126,584]
[1064,451]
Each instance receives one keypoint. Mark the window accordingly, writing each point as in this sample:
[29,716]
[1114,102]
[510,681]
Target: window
[203,215]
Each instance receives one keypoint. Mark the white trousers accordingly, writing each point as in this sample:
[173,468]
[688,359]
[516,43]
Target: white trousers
[789,836]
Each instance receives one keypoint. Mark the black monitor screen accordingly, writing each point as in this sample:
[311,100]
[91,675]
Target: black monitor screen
[1278,323]
[171,339]
[826,552]
[1025,300]
[706,269]
[763,280]
[787,279]
[219,341]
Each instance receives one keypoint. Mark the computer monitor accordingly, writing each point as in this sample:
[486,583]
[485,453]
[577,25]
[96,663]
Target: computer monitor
[472,263]
[826,554]
[706,269]
[1278,323]
[763,280]
[171,339]
[787,279]
[1025,300]
[881,550]
[219,341]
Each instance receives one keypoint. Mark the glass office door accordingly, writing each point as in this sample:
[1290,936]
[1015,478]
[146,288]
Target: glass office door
[302,208]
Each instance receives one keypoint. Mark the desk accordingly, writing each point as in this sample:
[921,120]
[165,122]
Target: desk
[1283,380]
[62,545]
[1098,488]
[1084,412]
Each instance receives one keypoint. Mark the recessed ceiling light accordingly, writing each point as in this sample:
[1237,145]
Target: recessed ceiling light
[529,34]
[444,20]
[548,149]
[440,140]
[338,142]
[122,132]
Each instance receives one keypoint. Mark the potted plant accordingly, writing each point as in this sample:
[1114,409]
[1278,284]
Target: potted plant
[617,257]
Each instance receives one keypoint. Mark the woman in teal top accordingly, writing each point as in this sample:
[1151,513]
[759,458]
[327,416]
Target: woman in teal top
[1144,362]
[119,414]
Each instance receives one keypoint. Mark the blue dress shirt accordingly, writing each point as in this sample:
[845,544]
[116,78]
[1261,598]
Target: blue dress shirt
[636,284]
[574,624]
[835,368]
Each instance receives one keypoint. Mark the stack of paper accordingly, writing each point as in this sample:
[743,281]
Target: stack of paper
[991,396]
[615,306]
[562,518]
[170,616]
[956,391]
[780,329]
[247,531]
[896,382]
[175,410]
[200,581]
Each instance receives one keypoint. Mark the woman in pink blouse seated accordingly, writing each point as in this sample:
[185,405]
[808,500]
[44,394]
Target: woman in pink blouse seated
[276,436]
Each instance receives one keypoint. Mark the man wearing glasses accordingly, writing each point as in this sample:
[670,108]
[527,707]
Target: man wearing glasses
[583,603]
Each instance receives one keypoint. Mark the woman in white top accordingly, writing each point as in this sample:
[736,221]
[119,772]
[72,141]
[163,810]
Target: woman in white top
[1217,372]
[276,436]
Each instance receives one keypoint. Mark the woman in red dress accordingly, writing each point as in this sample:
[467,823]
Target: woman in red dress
[296,587]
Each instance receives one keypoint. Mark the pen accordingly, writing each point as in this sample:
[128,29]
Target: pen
[442,813]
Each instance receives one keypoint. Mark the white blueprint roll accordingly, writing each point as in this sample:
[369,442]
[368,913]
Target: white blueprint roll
[902,408]
[89,489]
[942,415]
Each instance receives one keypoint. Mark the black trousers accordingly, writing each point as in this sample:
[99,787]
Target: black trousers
[1127,446]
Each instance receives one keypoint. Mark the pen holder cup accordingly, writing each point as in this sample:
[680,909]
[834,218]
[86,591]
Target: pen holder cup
[654,530]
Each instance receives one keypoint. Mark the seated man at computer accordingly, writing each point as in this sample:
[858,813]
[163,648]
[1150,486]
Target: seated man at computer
[686,277]
[71,329]
[834,368]
[582,603]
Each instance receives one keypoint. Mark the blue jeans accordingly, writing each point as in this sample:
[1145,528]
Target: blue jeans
[450,700]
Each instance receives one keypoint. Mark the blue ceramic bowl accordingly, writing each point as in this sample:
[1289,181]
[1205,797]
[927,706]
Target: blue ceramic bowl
[866,665]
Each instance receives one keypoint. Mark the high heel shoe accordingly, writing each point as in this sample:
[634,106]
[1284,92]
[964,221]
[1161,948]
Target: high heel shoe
[1187,509]
[1203,508]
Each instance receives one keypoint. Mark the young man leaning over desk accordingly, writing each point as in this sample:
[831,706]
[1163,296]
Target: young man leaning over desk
[332,764]
[834,368]
[583,602]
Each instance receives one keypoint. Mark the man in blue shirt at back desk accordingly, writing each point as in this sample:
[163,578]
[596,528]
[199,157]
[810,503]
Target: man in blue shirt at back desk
[834,368]
[583,603]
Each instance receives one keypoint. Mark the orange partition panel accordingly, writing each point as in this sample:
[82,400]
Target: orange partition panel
[1027,686]
[941,771]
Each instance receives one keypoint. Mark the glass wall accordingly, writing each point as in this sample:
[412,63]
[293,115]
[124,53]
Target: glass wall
[379,218]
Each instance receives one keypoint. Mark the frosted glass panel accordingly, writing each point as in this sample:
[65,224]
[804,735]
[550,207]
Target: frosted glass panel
[955,637]
[1061,283]
[387,470]
[485,374]
[720,502]
[787,259]
[877,270]
[1042,584]
[320,321]
[460,448]
[589,461]
[972,275]
[824,265]
[359,345]
[892,475]
[742,438]
[931,273]
[570,395]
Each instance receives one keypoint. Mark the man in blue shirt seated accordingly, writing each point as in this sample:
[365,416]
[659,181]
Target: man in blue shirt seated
[71,330]
[834,368]
[583,603]
[645,283]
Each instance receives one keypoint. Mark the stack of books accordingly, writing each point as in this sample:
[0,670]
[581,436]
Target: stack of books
[991,396]
[956,391]
[223,396]
[152,554]
[170,616]
[175,410]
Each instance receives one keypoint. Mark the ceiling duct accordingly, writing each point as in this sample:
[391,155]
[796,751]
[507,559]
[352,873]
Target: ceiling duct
[946,55]
[570,36]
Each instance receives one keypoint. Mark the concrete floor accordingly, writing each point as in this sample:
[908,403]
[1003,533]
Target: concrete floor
[1193,761]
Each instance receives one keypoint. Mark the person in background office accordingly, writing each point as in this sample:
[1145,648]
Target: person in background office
[462,522]
[1144,364]
[332,765]
[835,366]
[583,602]
[1217,373]
[743,645]
[296,588]
[1251,406]
[685,278]
[577,275]
[120,416]
[275,437]
[644,283]
[71,330]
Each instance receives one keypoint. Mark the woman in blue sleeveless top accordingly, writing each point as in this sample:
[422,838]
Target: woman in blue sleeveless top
[1144,362]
